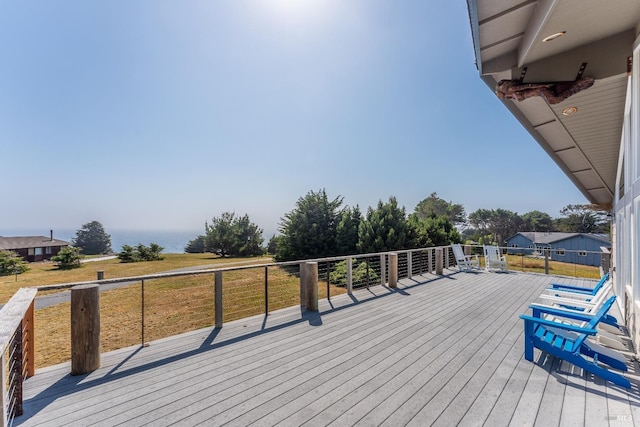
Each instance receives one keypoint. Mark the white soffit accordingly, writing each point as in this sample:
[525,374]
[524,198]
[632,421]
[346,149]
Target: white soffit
[584,21]
[508,36]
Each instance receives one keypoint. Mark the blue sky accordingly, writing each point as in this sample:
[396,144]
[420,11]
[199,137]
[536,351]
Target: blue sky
[164,114]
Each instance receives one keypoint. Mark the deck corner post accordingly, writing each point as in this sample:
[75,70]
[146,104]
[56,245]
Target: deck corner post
[439,261]
[309,286]
[393,270]
[85,328]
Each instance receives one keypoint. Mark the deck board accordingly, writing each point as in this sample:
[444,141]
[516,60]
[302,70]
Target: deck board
[439,350]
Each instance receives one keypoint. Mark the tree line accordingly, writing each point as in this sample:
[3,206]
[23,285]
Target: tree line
[320,226]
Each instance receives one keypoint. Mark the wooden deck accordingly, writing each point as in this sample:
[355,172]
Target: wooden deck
[436,351]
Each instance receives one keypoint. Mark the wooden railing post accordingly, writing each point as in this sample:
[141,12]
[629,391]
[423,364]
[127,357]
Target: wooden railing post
[30,332]
[218,299]
[547,252]
[409,265]
[349,276]
[439,261]
[309,286]
[393,270]
[383,269]
[85,329]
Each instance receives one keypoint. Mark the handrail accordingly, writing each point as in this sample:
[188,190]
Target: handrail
[17,350]
[225,269]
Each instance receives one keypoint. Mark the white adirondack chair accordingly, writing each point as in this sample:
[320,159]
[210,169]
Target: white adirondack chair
[493,260]
[464,262]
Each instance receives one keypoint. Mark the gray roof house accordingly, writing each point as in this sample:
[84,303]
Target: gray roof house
[33,248]
[575,248]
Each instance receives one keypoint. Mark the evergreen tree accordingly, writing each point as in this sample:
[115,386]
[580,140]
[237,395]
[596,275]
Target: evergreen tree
[583,219]
[273,244]
[92,239]
[385,229]
[347,231]
[12,263]
[248,238]
[537,221]
[195,246]
[309,231]
[233,236]
[219,235]
[433,231]
[434,206]
[67,258]
[495,225]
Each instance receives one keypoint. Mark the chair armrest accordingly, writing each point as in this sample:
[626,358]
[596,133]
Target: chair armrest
[568,294]
[551,299]
[570,288]
[565,326]
[539,309]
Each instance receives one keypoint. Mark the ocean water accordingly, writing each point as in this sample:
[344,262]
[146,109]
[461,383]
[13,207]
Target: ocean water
[172,241]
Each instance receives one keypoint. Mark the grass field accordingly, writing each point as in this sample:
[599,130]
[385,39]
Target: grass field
[171,306]
[181,304]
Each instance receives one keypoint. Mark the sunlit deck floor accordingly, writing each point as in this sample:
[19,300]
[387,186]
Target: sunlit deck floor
[438,350]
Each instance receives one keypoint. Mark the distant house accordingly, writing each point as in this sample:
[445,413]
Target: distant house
[33,248]
[575,248]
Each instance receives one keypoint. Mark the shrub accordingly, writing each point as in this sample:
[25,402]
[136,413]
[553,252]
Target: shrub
[12,263]
[338,275]
[67,258]
[140,253]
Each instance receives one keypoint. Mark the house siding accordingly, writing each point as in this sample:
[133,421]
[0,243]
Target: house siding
[519,242]
[572,247]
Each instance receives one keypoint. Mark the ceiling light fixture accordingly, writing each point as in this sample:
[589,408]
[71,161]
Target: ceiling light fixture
[554,36]
[569,111]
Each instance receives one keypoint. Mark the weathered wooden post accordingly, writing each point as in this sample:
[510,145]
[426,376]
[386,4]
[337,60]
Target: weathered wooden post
[547,252]
[439,261]
[409,265]
[383,269]
[100,275]
[309,286]
[29,326]
[85,328]
[218,298]
[393,270]
[303,281]
[349,276]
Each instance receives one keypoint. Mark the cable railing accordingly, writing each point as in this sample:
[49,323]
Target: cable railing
[555,261]
[146,308]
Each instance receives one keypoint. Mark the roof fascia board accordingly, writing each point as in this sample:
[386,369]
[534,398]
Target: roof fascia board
[472,7]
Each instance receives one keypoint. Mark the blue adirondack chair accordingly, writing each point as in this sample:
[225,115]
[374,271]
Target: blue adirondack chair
[569,341]
[579,289]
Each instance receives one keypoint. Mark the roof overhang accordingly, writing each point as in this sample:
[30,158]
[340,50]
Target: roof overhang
[508,38]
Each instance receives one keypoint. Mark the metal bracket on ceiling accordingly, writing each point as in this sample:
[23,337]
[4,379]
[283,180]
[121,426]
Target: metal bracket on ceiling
[581,71]
[583,67]
[522,74]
